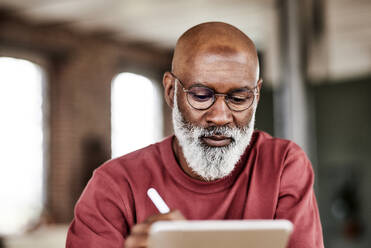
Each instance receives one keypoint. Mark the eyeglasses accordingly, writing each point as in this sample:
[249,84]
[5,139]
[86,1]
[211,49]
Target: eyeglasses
[202,97]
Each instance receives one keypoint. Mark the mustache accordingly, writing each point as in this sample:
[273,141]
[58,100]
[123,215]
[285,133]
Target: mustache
[217,130]
[226,131]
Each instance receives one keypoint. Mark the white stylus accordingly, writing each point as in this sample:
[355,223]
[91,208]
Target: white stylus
[158,201]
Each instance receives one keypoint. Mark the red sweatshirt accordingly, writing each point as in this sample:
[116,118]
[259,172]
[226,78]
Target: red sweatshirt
[273,180]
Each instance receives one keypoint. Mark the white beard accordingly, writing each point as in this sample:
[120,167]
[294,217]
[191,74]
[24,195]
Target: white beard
[209,162]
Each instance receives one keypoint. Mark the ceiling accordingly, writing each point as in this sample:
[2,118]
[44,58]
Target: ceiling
[160,22]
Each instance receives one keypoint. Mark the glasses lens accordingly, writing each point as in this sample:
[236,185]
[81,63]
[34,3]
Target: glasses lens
[200,97]
[240,100]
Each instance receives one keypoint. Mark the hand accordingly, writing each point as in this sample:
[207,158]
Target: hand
[139,233]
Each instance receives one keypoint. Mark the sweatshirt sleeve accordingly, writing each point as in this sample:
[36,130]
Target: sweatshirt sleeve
[297,201]
[99,216]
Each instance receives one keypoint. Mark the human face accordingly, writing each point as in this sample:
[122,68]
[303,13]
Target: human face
[210,162]
[223,73]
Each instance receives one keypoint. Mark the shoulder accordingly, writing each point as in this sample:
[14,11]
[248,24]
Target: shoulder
[136,163]
[278,151]
[265,142]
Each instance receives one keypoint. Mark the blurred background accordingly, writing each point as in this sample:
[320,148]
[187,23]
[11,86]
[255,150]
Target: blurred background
[80,83]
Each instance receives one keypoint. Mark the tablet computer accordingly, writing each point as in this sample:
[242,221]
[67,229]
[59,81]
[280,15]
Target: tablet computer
[220,234]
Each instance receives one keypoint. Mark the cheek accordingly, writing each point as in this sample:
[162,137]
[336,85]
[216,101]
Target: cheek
[243,118]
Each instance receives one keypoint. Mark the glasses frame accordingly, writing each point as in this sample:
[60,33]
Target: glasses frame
[226,96]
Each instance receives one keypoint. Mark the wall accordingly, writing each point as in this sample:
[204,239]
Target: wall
[264,112]
[79,69]
[344,161]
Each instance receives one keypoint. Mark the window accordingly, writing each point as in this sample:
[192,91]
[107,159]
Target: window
[136,113]
[21,144]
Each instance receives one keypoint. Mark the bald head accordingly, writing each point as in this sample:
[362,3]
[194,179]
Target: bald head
[213,40]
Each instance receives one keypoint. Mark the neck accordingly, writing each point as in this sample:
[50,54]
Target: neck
[182,162]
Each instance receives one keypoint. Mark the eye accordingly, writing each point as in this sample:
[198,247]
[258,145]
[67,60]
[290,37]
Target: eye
[201,97]
[241,97]
[238,99]
[201,94]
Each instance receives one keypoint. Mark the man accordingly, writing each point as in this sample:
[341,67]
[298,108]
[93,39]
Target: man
[215,167]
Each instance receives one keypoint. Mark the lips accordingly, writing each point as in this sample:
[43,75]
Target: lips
[216,140]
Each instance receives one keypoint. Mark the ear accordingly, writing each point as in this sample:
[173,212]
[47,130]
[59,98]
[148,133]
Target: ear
[169,88]
[259,86]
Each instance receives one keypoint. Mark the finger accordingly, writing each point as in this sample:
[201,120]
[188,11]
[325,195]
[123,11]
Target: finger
[142,228]
[173,215]
[177,215]
[136,241]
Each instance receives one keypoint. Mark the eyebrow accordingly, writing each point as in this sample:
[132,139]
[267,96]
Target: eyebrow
[232,90]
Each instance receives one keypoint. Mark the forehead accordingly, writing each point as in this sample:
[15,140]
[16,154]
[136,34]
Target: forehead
[221,71]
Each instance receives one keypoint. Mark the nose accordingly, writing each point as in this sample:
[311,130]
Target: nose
[219,114]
